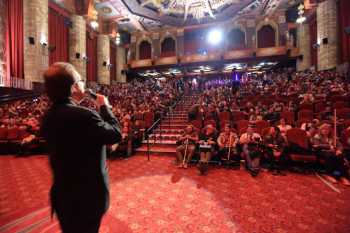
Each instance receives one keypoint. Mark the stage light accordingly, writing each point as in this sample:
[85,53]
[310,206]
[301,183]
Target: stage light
[214,37]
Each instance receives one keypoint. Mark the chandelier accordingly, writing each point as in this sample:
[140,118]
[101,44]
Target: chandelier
[198,9]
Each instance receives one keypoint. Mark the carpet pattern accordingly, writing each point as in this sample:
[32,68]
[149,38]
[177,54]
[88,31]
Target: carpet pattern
[155,196]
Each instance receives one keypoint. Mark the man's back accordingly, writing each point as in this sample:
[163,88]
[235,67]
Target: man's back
[76,138]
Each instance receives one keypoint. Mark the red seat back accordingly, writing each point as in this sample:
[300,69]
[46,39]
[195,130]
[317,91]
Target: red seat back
[197,124]
[288,116]
[345,138]
[260,125]
[149,119]
[305,114]
[238,115]
[224,116]
[242,124]
[297,136]
[343,113]
[306,107]
[320,107]
[12,133]
[3,133]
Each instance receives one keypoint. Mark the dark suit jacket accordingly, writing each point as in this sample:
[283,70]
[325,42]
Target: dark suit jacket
[76,138]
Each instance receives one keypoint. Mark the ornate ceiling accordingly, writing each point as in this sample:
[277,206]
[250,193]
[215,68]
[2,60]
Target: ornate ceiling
[150,15]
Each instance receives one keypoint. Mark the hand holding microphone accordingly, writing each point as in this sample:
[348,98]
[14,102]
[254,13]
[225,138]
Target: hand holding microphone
[100,100]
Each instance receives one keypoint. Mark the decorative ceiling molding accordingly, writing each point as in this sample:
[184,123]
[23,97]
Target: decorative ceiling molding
[136,8]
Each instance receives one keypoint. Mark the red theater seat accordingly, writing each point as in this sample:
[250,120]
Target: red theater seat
[288,116]
[260,125]
[13,134]
[298,137]
[305,114]
[242,124]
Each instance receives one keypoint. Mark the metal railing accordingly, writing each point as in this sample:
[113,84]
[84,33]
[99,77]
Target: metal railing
[150,130]
[16,83]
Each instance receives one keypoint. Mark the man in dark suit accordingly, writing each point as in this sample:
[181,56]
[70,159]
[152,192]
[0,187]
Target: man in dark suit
[76,138]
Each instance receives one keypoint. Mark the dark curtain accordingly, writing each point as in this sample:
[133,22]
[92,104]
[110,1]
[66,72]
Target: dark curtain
[145,50]
[344,22]
[14,38]
[168,47]
[266,37]
[236,39]
[113,61]
[91,53]
[313,40]
[58,37]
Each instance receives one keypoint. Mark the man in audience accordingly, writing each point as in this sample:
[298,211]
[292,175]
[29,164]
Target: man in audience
[207,146]
[251,150]
[187,146]
[227,142]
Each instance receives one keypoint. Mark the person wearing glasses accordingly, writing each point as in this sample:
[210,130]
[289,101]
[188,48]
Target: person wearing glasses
[77,137]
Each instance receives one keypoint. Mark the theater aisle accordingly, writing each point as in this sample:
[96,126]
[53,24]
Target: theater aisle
[163,139]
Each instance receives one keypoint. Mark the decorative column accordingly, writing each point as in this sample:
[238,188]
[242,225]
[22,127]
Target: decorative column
[35,25]
[180,40]
[132,49]
[327,36]
[103,74]
[121,64]
[77,44]
[303,43]
[155,45]
[250,34]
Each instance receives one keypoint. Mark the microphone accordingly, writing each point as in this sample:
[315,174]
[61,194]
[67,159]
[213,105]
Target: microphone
[91,93]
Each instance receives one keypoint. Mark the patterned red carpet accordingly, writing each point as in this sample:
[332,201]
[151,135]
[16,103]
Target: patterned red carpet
[156,197]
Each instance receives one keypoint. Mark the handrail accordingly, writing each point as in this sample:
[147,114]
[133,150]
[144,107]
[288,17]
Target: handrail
[16,83]
[156,123]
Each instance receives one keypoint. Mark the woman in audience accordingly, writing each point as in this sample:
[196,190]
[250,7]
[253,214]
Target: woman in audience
[207,146]
[283,127]
[332,152]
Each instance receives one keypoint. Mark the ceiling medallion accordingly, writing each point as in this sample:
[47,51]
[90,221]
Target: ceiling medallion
[198,9]
[106,10]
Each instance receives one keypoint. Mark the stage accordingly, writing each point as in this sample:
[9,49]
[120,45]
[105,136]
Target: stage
[155,196]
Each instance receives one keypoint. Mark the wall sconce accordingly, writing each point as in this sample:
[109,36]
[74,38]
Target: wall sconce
[118,39]
[43,40]
[94,24]
[316,46]
[85,58]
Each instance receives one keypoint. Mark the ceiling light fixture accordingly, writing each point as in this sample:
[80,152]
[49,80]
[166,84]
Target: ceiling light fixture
[301,10]
[198,9]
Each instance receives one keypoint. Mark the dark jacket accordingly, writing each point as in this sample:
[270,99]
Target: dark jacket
[76,138]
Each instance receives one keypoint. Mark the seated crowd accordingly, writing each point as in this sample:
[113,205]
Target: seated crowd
[274,120]
[136,104]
